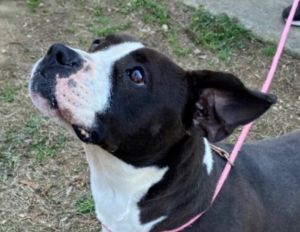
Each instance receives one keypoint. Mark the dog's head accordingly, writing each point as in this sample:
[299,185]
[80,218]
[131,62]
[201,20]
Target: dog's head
[133,101]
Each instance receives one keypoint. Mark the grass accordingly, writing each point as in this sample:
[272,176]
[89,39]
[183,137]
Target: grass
[102,25]
[98,11]
[32,125]
[9,153]
[177,48]
[71,29]
[9,93]
[269,50]
[85,205]
[42,149]
[12,159]
[110,29]
[224,54]
[153,12]
[217,32]
[33,4]
[43,146]
[29,139]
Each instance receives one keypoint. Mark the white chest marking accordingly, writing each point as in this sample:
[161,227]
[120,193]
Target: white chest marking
[208,160]
[117,187]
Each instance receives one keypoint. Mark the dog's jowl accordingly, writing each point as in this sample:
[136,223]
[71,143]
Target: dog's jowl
[147,124]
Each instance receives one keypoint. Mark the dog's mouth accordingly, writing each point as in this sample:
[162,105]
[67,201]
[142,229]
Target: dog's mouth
[85,135]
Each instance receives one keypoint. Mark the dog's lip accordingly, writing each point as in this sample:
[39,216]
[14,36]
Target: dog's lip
[46,108]
[82,133]
[34,89]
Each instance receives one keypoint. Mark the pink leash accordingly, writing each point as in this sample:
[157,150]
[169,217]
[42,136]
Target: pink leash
[246,128]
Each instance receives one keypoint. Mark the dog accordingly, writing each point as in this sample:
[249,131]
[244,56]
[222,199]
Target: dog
[146,125]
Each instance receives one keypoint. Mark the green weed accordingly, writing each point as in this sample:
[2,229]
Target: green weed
[101,25]
[41,149]
[42,146]
[153,12]
[71,29]
[177,48]
[33,4]
[10,158]
[33,124]
[224,54]
[98,11]
[269,50]
[100,17]
[85,205]
[43,152]
[9,93]
[110,29]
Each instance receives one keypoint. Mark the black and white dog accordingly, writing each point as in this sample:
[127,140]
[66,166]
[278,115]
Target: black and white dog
[146,125]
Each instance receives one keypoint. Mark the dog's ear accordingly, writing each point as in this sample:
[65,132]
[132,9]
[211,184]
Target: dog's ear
[219,102]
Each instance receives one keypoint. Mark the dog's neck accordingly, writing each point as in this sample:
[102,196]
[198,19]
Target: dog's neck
[138,199]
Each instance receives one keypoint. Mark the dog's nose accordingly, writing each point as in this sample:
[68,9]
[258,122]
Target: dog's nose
[60,54]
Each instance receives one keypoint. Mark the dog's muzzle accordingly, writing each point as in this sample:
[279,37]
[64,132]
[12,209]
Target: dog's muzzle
[59,88]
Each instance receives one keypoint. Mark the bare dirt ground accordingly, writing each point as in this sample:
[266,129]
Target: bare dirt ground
[44,184]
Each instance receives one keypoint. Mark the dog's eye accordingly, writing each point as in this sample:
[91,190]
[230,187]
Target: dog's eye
[136,75]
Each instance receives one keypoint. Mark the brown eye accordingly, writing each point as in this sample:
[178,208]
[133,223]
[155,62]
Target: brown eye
[136,75]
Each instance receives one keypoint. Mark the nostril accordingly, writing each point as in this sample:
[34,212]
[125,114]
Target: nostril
[60,58]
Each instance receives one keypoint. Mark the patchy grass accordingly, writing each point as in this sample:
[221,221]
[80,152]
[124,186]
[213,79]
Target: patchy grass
[98,11]
[32,139]
[85,205]
[269,50]
[8,93]
[110,29]
[224,54]
[71,29]
[217,32]
[83,41]
[10,159]
[41,148]
[9,154]
[33,4]
[33,124]
[102,25]
[153,11]
[177,48]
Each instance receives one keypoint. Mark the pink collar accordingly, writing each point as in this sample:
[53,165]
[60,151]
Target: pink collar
[246,128]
